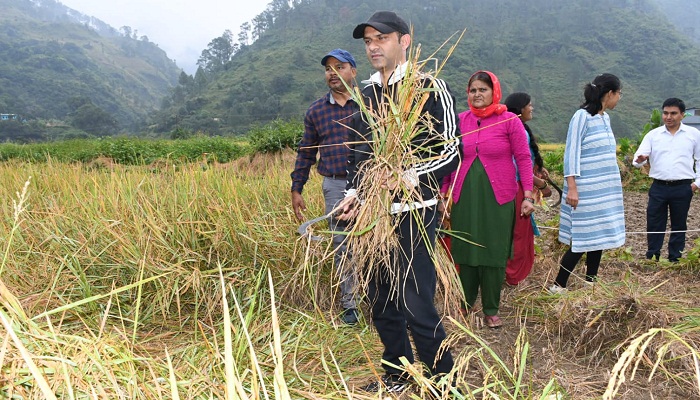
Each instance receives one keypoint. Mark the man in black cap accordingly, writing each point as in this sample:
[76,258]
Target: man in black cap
[387,39]
[325,132]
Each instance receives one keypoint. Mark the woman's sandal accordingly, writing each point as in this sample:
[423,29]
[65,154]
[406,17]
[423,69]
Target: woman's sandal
[492,321]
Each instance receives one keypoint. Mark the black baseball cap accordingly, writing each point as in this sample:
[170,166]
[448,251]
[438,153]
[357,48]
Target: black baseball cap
[384,22]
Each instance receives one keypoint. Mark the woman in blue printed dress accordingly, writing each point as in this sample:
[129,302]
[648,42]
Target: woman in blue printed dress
[592,216]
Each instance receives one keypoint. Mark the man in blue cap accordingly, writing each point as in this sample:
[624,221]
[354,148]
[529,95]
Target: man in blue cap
[325,133]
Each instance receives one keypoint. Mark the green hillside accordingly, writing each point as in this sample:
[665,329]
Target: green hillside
[549,49]
[684,14]
[58,65]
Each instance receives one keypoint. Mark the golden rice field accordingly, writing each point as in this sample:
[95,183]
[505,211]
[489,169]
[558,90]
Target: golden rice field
[189,282]
[550,146]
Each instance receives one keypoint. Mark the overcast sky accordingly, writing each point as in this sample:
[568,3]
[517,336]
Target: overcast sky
[183,28]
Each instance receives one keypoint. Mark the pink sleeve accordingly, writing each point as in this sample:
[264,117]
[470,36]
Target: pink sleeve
[447,182]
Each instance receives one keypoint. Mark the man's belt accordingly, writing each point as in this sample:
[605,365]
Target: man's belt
[674,183]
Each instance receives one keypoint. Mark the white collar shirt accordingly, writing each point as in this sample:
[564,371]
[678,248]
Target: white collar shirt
[672,157]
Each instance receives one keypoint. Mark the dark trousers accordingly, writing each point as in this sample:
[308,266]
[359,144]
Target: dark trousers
[665,200]
[405,299]
[489,279]
[570,259]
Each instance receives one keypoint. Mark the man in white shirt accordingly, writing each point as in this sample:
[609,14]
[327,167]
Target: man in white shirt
[671,151]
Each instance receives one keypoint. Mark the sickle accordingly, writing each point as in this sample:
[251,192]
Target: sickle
[303,228]
[557,188]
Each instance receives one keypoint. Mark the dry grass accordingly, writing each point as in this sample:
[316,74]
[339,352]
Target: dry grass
[550,146]
[113,284]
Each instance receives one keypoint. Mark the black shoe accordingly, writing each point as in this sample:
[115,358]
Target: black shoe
[349,316]
[387,384]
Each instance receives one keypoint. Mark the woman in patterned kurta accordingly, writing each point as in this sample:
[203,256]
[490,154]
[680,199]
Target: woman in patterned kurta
[592,217]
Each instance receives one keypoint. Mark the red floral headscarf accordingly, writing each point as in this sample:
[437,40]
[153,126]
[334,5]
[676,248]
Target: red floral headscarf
[495,107]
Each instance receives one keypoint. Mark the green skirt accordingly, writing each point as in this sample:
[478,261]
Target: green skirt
[478,218]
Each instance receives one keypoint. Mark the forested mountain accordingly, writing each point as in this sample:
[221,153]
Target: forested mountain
[547,48]
[684,14]
[63,68]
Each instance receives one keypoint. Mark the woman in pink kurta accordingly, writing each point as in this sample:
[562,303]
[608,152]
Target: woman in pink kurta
[483,193]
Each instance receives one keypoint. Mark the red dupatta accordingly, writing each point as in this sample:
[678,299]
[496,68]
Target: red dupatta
[495,107]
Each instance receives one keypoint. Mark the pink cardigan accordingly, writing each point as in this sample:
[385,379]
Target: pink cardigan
[499,139]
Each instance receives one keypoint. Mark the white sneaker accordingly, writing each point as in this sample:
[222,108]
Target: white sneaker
[556,289]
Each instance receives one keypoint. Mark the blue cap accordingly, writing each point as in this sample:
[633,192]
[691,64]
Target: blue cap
[341,55]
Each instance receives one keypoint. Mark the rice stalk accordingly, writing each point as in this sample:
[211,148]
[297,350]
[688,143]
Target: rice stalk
[9,300]
[636,353]
[139,293]
[18,207]
[93,233]
[90,227]
[36,373]
[172,379]
[95,297]
[234,388]
[499,380]
[280,384]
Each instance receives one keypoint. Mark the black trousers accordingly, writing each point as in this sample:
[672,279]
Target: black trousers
[665,200]
[405,299]
[570,259]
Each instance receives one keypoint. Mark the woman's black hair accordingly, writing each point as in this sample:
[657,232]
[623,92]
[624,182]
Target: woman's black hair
[595,91]
[515,103]
[480,76]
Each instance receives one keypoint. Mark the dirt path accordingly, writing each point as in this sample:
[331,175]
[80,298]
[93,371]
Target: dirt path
[557,350]
[577,338]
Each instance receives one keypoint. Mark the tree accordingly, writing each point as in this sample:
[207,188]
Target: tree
[185,80]
[260,25]
[279,7]
[200,79]
[94,120]
[18,132]
[218,53]
[244,34]
[126,31]
[74,103]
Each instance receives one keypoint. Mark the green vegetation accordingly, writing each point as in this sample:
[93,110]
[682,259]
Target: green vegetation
[548,49]
[53,67]
[70,81]
[276,136]
[184,147]
[128,151]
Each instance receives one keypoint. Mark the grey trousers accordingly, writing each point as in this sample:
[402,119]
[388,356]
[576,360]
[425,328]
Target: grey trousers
[333,192]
